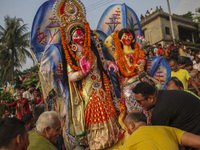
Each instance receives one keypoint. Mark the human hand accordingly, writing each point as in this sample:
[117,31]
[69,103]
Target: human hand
[198,93]
[2,102]
[114,66]
[123,114]
[85,65]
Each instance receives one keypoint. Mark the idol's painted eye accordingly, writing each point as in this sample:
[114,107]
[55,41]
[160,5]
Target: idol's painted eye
[130,37]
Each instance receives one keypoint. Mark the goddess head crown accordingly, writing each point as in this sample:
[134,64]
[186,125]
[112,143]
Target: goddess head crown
[69,13]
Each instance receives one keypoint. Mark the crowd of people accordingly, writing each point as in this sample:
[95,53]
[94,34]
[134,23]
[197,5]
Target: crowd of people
[151,12]
[184,62]
[24,100]
[144,116]
[177,107]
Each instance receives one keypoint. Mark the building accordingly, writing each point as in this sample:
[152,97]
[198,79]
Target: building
[156,28]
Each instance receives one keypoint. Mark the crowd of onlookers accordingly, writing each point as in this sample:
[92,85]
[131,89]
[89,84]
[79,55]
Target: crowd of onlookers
[150,12]
[27,119]
[176,107]
[186,58]
[25,100]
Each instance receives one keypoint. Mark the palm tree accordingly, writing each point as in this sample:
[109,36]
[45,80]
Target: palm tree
[14,39]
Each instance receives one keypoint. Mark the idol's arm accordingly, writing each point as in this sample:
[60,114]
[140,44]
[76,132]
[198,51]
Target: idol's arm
[76,75]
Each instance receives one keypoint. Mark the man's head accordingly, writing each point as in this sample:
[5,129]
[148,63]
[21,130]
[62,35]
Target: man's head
[23,89]
[7,112]
[134,120]
[37,111]
[29,121]
[175,84]
[174,65]
[13,134]
[156,45]
[172,43]
[48,125]
[36,92]
[31,88]
[160,46]
[182,60]
[197,59]
[145,95]
[19,95]
[17,88]
[189,65]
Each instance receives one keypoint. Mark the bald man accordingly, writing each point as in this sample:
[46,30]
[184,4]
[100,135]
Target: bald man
[155,137]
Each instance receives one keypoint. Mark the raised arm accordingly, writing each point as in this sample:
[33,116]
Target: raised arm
[194,85]
[5,104]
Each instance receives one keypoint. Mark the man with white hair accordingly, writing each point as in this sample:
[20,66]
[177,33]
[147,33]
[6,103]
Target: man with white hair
[48,129]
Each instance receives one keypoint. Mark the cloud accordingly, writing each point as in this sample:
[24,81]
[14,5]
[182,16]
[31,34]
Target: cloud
[186,5]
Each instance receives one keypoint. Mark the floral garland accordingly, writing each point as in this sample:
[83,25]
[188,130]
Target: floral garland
[68,51]
[121,61]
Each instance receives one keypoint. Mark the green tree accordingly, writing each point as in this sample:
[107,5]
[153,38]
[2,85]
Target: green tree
[14,39]
[189,15]
[197,18]
[8,98]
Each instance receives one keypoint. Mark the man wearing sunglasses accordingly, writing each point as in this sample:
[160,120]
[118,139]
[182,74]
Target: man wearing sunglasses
[174,108]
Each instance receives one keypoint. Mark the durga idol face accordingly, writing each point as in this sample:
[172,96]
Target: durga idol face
[127,39]
[78,37]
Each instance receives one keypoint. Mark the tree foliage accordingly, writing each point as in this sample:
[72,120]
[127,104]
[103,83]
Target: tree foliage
[14,39]
[194,16]
[189,15]
[7,97]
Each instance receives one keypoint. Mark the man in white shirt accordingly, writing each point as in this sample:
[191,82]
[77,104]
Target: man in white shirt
[197,63]
[29,94]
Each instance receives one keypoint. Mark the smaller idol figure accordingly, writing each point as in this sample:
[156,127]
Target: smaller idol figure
[130,60]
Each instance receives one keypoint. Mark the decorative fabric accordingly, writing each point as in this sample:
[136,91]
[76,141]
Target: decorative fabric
[99,117]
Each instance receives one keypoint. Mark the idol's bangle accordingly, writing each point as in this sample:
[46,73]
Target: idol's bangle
[79,74]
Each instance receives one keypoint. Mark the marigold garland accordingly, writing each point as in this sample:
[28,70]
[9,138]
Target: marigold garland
[68,51]
[121,61]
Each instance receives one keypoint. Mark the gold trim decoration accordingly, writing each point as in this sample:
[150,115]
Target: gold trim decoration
[69,13]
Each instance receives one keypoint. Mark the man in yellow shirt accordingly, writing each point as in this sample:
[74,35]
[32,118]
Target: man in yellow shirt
[155,137]
[183,75]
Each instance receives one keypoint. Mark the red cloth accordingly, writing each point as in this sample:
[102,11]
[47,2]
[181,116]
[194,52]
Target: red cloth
[159,51]
[26,109]
[38,100]
[171,48]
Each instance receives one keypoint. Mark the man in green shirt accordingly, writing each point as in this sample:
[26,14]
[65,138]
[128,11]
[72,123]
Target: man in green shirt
[48,129]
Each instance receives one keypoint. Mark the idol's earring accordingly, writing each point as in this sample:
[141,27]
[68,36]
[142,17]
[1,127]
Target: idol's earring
[133,41]
[74,47]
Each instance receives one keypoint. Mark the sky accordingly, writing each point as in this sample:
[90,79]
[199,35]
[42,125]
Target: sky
[26,9]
